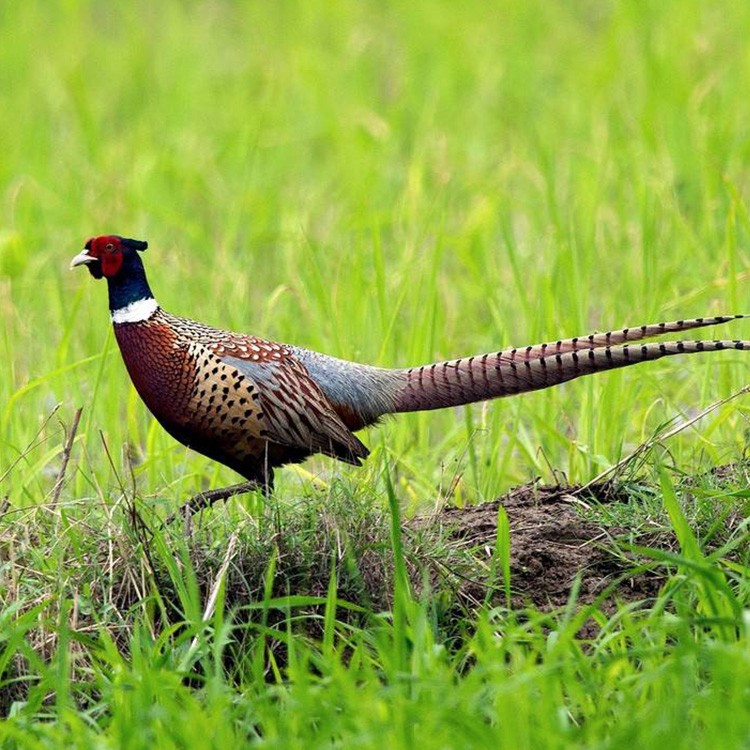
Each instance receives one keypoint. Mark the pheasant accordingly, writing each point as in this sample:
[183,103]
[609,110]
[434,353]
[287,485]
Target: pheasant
[254,405]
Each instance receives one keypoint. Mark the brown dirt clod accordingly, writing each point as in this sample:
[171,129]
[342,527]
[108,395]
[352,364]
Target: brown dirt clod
[550,544]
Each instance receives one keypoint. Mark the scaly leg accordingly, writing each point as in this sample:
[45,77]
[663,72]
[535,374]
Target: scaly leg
[206,499]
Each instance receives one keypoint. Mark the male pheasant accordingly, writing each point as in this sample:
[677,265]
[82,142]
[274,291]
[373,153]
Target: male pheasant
[253,405]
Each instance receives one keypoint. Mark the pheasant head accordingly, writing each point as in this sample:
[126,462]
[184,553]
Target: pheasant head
[106,255]
[117,259]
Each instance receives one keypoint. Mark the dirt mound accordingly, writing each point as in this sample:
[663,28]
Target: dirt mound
[550,544]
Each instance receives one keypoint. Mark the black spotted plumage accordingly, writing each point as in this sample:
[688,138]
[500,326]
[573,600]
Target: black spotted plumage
[191,377]
[253,404]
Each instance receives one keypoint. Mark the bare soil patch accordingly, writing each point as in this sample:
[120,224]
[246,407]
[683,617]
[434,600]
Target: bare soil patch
[551,544]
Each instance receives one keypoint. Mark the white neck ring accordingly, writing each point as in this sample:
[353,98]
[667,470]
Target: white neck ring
[135,312]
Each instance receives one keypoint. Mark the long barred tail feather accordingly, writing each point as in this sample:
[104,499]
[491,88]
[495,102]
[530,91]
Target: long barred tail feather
[612,338]
[487,376]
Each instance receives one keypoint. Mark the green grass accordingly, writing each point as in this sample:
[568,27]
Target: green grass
[393,183]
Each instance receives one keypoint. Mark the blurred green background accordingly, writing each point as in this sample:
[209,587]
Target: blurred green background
[388,182]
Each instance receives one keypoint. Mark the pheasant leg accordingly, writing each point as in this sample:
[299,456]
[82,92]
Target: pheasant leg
[206,499]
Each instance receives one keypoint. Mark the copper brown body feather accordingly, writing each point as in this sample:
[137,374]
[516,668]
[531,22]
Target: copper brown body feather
[191,378]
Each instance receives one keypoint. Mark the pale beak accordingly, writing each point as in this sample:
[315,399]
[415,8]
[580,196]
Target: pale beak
[81,259]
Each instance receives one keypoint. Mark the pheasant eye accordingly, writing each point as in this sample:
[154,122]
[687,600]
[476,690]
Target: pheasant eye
[109,247]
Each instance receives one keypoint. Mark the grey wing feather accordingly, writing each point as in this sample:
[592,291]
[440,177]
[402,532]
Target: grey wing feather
[296,413]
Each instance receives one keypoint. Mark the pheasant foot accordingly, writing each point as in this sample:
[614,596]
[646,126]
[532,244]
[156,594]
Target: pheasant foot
[206,499]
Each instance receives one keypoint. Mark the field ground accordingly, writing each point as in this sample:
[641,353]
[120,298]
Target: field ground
[394,183]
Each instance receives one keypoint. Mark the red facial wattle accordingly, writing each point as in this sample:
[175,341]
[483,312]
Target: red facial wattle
[108,250]
[111,262]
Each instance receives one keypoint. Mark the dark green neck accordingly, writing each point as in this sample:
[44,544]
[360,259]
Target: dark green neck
[129,285]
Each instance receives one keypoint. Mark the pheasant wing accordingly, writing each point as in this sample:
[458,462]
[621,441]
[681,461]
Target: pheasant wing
[295,412]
